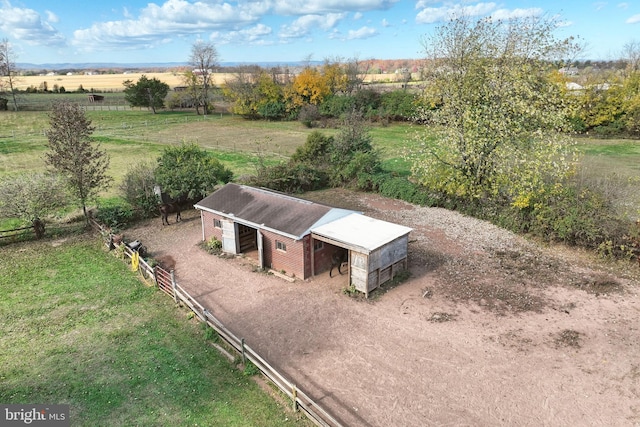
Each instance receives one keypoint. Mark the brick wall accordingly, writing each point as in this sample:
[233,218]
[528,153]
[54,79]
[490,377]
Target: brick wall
[291,261]
[209,229]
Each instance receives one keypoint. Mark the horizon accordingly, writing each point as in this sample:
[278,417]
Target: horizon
[143,31]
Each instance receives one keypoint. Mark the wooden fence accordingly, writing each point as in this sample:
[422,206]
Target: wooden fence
[13,232]
[165,281]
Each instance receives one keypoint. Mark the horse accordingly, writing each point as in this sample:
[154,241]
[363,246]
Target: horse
[169,208]
[337,259]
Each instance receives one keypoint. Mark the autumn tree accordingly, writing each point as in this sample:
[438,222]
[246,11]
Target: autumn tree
[204,58]
[31,196]
[309,87]
[254,92]
[146,92]
[72,154]
[497,117]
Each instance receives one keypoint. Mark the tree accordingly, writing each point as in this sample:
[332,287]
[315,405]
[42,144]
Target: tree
[189,172]
[137,188]
[146,92]
[309,87]
[8,70]
[72,154]
[351,152]
[255,93]
[204,58]
[497,116]
[31,196]
[631,53]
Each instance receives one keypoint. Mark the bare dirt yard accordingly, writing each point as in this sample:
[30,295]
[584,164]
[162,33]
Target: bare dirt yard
[489,330]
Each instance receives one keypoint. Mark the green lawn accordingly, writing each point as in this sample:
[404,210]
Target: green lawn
[78,328]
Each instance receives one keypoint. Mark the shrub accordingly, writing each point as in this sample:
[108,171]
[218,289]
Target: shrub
[137,188]
[213,246]
[114,213]
[289,177]
[308,115]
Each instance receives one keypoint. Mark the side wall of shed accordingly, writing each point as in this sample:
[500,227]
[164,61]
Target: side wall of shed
[290,260]
[294,261]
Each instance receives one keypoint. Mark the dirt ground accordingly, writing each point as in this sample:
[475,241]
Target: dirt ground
[488,330]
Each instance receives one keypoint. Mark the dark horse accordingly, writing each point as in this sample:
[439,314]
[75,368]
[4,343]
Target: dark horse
[337,259]
[169,208]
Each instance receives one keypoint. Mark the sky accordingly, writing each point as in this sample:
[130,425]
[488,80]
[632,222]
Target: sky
[257,31]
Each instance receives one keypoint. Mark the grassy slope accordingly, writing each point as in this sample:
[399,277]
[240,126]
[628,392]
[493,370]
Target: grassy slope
[77,327]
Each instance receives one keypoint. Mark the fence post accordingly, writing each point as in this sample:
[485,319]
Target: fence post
[244,359]
[173,286]
[294,394]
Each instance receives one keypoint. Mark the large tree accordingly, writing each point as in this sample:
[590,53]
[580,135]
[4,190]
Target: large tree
[204,59]
[8,71]
[72,153]
[188,171]
[497,115]
[146,92]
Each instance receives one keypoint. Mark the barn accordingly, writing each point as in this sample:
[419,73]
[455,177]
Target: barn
[303,238]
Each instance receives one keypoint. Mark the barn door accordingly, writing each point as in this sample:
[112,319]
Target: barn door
[260,254]
[229,237]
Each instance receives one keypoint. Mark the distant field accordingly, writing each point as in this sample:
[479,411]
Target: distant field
[113,82]
[103,82]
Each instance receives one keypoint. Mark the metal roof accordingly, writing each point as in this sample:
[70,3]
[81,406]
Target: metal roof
[270,210]
[361,231]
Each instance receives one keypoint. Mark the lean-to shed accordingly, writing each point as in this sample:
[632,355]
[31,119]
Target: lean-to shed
[377,249]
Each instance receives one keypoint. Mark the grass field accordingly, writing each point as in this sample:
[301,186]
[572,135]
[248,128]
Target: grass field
[134,136]
[77,327]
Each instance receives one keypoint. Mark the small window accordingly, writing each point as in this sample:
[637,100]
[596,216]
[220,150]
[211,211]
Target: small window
[318,245]
[217,223]
[281,246]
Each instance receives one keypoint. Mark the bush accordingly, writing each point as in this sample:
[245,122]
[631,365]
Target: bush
[289,177]
[137,188]
[337,105]
[114,213]
[213,246]
[308,115]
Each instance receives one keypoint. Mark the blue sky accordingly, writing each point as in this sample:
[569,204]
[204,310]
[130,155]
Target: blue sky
[146,31]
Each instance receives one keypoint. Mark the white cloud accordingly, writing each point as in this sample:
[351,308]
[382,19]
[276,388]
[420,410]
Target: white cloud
[362,33]
[599,5]
[430,15]
[623,5]
[385,23]
[305,24]
[254,35]
[357,15]
[51,17]
[29,26]
[156,24]
[635,19]
[505,14]
[309,7]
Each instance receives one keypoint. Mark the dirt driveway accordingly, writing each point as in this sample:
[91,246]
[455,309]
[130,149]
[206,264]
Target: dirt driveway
[489,330]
